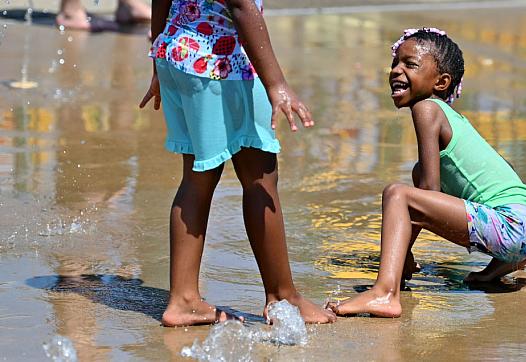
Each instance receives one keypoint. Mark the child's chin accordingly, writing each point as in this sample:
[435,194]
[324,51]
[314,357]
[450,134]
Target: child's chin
[398,103]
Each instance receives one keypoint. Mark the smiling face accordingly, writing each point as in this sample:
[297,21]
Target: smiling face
[414,75]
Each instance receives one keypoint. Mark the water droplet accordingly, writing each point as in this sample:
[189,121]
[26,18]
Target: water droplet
[70,38]
[60,51]
[5,26]
[4,12]
[61,61]
[60,349]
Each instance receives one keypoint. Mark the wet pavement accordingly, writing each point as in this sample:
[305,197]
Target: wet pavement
[85,191]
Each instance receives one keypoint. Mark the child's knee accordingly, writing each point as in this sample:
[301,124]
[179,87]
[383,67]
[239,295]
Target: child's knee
[394,192]
[203,182]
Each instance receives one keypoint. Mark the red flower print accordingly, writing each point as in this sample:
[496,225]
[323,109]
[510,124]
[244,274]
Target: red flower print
[161,51]
[190,10]
[224,45]
[205,28]
[185,46]
[172,29]
[222,68]
[201,64]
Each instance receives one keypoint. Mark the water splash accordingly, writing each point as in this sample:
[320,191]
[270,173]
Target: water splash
[60,349]
[24,82]
[228,341]
[81,224]
[335,295]
[59,227]
[233,341]
[288,326]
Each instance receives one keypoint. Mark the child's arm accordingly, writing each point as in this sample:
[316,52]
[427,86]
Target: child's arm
[426,173]
[427,127]
[253,31]
[160,10]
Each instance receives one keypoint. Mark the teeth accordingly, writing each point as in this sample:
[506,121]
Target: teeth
[398,85]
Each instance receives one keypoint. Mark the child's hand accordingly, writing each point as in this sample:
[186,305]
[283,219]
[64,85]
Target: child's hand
[283,99]
[153,92]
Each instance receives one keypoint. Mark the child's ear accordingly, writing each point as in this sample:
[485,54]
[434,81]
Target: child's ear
[442,83]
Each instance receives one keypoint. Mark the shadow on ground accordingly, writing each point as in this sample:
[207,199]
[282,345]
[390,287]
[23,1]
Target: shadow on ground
[118,292]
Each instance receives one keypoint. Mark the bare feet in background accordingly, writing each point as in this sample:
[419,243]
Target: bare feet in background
[73,16]
[132,12]
[495,270]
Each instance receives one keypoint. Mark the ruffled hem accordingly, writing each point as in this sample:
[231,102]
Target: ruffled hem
[233,148]
[179,147]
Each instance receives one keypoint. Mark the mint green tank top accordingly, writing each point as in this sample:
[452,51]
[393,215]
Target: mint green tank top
[472,170]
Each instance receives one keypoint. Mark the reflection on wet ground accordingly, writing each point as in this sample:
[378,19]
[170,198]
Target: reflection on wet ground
[85,189]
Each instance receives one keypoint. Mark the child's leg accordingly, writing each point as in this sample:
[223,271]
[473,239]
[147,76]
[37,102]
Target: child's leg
[410,265]
[188,221]
[402,207]
[494,270]
[258,173]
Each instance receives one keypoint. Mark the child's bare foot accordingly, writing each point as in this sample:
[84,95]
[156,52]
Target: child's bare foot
[132,12]
[78,20]
[493,271]
[371,301]
[310,312]
[74,19]
[195,312]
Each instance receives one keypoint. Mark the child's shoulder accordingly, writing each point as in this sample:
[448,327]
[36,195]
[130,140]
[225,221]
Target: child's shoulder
[427,109]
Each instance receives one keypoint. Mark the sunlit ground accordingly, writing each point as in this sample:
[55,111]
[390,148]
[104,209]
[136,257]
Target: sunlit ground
[85,190]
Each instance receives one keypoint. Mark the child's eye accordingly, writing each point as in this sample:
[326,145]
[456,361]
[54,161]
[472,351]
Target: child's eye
[411,65]
[394,63]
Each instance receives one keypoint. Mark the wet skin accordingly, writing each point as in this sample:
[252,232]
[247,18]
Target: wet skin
[258,174]
[406,210]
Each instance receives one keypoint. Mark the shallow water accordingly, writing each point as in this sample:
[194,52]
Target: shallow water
[85,190]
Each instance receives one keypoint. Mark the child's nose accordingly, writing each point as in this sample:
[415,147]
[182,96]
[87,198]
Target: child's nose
[396,69]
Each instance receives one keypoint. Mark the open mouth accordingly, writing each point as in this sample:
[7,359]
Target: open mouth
[398,88]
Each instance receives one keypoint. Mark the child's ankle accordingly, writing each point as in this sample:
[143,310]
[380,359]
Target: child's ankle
[386,291]
[289,294]
[184,299]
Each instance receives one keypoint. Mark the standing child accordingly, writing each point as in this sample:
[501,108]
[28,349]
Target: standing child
[222,90]
[464,190]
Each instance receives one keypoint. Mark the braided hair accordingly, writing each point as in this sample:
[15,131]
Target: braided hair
[446,52]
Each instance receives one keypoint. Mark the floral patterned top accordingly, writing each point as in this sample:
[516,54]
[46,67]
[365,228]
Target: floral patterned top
[200,39]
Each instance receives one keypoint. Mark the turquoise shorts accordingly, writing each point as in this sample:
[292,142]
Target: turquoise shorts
[213,119]
[497,231]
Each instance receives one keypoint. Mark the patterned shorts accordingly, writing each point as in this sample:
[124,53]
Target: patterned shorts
[499,232]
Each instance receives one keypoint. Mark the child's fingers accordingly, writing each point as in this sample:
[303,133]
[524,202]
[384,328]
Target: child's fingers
[157,102]
[274,118]
[305,116]
[287,110]
[146,99]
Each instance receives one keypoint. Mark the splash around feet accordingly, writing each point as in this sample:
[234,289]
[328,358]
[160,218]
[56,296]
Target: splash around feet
[385,305]
[194,313]
[310,312]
